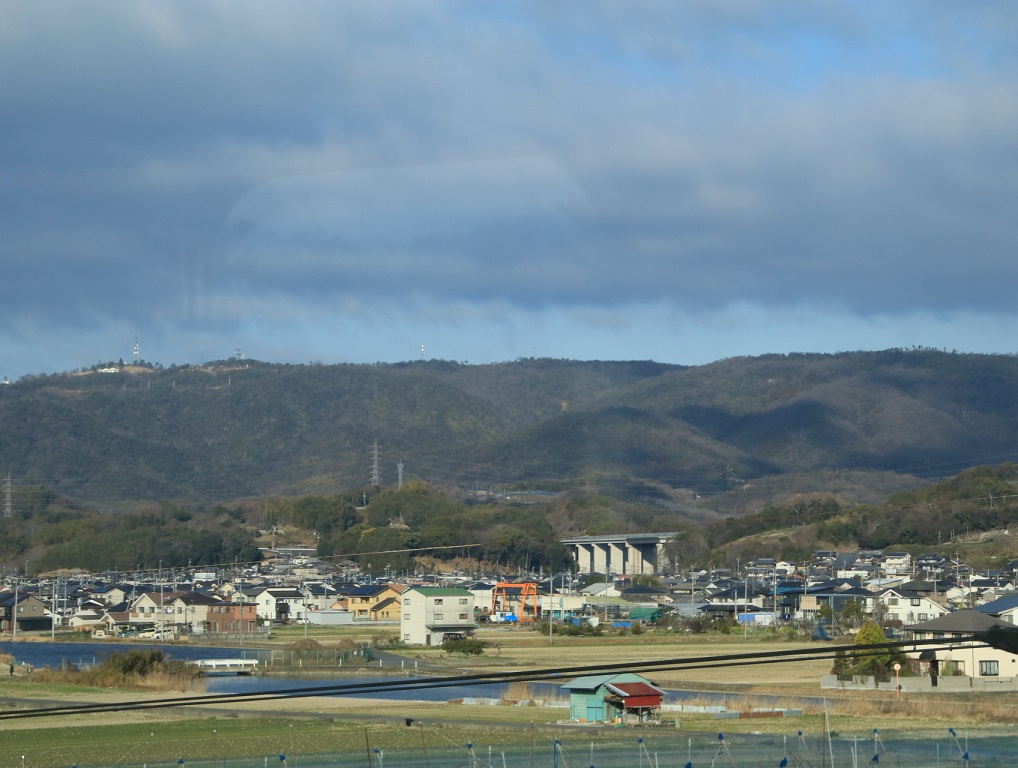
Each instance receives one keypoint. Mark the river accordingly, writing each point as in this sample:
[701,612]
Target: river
[89,653]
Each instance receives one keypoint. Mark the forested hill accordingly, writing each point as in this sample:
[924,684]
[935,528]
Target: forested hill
[688,438]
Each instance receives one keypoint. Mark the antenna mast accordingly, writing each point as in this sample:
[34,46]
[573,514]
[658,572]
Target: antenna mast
[137,350]
[376,465]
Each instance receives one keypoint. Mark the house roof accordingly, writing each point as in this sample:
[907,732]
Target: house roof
[627,690]
[7,598]
[367,590]
[593,682]
[966,620]
[198,598]
[442,591]
[904,593]
[1000,605]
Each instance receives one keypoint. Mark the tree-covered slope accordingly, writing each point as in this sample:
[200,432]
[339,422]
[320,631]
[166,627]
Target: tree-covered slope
[635,430]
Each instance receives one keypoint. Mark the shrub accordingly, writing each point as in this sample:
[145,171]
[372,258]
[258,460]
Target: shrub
[467,646]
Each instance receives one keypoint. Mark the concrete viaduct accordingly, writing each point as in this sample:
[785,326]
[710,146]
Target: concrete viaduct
[625,554]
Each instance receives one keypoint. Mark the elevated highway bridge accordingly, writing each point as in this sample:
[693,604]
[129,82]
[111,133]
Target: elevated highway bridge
[629,554]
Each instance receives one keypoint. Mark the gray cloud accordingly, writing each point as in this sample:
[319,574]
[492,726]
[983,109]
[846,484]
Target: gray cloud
[184,167]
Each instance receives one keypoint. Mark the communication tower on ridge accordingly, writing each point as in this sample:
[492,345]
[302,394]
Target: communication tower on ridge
[137,350]
[376,465]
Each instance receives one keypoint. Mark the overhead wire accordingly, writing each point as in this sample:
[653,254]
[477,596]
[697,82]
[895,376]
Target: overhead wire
[552,673]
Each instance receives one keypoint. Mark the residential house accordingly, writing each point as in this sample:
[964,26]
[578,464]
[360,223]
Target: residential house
[483,593]
[89,616]
[931,565]
[112,594]
[898,604]
[189,612]
[365,602]
[642,593]
[152,609]
[894,563]
[231,618]
[433,614]
[835,593]
[279,604]
[739,598]
[601,589]
[981,664]
[764,567]
[320,596]
[23,612]
[1004,608]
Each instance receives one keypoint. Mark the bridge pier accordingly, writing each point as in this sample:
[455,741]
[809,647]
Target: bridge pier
[628,554]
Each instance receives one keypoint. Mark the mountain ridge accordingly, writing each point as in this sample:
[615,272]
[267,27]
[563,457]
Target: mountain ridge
[669,435]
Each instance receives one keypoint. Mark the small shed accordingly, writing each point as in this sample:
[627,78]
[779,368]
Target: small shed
[625,697]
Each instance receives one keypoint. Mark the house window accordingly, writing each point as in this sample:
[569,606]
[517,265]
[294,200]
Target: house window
[915,601]
[989,668]
[438,601]
[892,601]
[924,617]
[406,616]
[406,636]
[438,617]
[463,617]
[463,601]
[406,601]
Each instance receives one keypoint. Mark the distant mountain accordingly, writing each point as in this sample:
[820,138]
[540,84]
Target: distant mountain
[727,437]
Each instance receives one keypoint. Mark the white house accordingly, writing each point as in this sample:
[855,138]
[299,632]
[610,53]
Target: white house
[904,606]
[979,663]
[896,562]
[280,604]
[431,614]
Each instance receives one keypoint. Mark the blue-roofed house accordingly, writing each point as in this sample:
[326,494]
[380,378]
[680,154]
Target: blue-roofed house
[1004,608]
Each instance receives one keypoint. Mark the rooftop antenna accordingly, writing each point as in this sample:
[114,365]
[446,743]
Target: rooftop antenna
[422,351]
[137,350]
[239,353]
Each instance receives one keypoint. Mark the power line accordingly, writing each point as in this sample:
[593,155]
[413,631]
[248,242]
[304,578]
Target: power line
[1004,638]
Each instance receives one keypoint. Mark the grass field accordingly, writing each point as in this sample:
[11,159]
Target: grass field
[336,724]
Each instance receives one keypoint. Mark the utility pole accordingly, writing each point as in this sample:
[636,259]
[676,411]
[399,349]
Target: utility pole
[14,610]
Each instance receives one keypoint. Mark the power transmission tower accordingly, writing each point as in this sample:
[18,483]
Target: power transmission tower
[8,497]
[376,465]
[399,474]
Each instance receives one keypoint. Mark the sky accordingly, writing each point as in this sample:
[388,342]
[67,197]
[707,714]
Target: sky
[364,182]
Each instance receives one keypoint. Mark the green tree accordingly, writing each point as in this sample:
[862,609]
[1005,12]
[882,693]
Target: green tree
[853,612]
[873,662]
